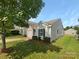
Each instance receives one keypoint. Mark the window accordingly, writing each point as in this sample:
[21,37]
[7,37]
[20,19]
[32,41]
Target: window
[34,31]
[41,32]
[57,31]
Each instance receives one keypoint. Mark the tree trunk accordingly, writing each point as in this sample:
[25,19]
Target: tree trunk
[3,36]
[3,41]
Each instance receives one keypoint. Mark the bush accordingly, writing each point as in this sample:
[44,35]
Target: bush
[76,28]
[8,34]
[77,32]
[12,32]
[47,39]
[68,27]
[39,38]
[34,38]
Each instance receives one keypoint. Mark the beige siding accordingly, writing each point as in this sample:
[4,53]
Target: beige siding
[29,33]
[57,30]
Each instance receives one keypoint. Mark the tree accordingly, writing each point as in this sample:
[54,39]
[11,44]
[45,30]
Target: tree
[77,28]
[17,12]
[68,27]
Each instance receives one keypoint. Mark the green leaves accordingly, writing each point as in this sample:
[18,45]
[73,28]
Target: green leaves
[20,11]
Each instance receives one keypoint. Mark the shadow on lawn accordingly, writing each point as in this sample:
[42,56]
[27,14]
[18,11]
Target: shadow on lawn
[22,49]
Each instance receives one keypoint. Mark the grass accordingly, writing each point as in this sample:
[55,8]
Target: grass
[14,38]
[66,47]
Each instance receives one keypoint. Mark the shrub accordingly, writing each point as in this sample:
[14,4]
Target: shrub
[47,39]
[34,38]
[8,34]
[11,32]
[39,38]
[78,32]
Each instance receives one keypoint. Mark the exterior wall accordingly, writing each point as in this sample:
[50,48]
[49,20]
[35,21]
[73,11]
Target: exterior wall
[29,33]
[57,30]
[53,33]
[24,31]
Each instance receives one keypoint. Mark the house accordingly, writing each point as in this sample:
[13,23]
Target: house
[23,30]
[71,32]
[51,29]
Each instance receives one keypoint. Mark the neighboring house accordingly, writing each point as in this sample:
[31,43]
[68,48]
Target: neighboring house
[51,29]
[71,32]
[22,30]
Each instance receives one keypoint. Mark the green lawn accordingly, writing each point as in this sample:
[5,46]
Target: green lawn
[66,47]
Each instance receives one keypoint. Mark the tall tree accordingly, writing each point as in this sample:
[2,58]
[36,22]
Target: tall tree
[17,12]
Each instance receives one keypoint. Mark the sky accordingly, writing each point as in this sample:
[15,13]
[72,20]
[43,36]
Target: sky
[67,10]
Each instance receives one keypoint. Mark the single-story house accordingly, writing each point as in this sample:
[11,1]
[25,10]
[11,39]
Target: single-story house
[71,32]
[51,29]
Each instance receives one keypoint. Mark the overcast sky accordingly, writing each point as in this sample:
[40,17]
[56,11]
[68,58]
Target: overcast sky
[67,10]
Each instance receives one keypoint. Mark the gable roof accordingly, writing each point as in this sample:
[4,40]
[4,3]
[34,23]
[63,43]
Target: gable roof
[33,24]
[52,22]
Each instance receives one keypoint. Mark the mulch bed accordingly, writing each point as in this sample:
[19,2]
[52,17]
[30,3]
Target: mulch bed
[7,50]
